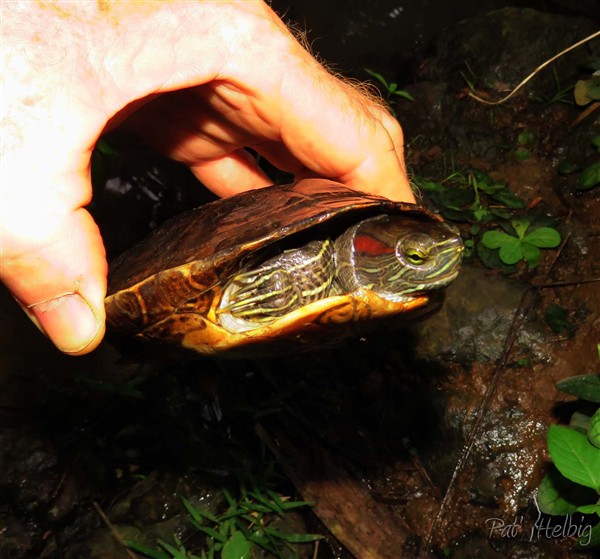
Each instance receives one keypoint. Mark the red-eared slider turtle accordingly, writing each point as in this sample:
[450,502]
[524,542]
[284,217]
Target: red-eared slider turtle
[300,266]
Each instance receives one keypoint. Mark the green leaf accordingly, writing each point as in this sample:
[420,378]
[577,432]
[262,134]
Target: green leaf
[491,189]
[522,154]
[590,539]
[589,509]
[531,253]
[404,94]
[520,225]
[587,91]
[431,186]
[378,77]
[198,514]
[490,258]
[457,198]
[502,213]
[509,199]
[177,552]
[479,177]
[596,141]
[496,239]
[482,214]
[293,538]
[558,319]
[568,167]
[525,138]
[214,534]
[152,553]
[544,237]
[593,433]
[557,495]
[510,252]
[237,547]
[574,456]
[289,505]
[392,87]
[586,387]
[590,177]
[580,422]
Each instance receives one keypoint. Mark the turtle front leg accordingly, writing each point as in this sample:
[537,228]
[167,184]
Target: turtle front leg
[279,285]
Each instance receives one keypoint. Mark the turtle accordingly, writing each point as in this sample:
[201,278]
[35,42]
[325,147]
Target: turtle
[281,269]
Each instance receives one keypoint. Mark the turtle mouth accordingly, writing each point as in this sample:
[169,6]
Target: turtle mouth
[420,289]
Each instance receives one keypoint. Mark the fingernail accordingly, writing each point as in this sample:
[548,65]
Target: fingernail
[67,320]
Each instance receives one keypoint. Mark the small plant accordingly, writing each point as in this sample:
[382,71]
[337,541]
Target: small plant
[588,90]
[574,487]
[525,141]
[470,78]
[590,176]
[561,93]
[390,88]
[558,319]
[249,521]
[524,245]
[471,196]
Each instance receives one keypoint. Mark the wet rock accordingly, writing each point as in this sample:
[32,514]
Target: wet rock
[29,473]
[508,454]
[475,320]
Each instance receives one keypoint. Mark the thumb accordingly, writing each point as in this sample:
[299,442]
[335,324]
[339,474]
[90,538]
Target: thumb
[55,267]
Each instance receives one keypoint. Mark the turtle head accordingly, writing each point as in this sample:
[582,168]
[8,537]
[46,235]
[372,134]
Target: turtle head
[398,256]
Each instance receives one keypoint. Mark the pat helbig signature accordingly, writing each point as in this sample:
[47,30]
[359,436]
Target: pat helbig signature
[543,527]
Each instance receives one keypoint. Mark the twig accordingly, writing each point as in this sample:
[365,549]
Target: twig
[316,551]
[114,531]
[538,69]
[567,283]
[586,112]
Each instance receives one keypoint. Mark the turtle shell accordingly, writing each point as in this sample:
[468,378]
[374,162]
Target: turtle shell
[166,289]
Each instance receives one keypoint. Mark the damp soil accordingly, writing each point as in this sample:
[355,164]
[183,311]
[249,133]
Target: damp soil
[413,443]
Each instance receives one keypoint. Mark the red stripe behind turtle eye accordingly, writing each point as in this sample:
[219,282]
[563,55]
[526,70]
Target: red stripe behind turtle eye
[366,244]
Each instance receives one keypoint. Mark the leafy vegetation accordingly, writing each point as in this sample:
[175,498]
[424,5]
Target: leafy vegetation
[525,245]
[249,521]
[390,89]
[587,94]
[590,176]
[588,90]
[562,93]
[471,196]
[574,486]
[557,318]
[525,141]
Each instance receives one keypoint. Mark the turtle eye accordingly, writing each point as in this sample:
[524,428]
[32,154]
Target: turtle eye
[415,250]
[415,256]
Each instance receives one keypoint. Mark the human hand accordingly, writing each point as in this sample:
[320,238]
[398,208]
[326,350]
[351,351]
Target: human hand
[199,81]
